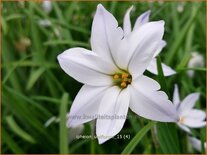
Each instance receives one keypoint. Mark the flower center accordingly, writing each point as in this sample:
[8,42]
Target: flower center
[181,120]
[122,79]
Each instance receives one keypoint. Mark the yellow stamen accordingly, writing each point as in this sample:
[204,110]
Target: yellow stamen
[116,76]
[123,84]
[122,79]
[124,75]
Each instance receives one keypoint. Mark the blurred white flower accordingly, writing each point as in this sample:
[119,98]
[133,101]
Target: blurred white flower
[47,6]
[74,132]
[44,23]
[196,143]
[196,60]
[161,2]
[188,117]
[47,23]
[140,21]
[180,7]
[21,4]
[113,76]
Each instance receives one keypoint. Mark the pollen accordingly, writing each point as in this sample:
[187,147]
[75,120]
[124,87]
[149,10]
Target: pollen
[124,75]
[116,76]
[123,85]
[122,79]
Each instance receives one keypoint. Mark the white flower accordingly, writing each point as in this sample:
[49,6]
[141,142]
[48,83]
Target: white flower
[188,117]
[196,143]
[196,60]
[44,23]
[74,132]
[180,7]
[113,78]
[142,20]
[47,6]
[161,2]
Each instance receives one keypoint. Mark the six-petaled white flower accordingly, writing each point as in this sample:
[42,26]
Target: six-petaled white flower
[113,78]
[188,117]
[140,21]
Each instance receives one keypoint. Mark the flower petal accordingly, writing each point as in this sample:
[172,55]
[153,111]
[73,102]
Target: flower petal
[142,19]
[86,67]
[196,143]
[74,132]
[194,123]
[143,44]
[127,22]
[114,105]
[184,128]
[167,71]
[85,106]
[196,114]
[188,103]
[160,47]
[176,96]
[152,105]
[146,84]
[105,35]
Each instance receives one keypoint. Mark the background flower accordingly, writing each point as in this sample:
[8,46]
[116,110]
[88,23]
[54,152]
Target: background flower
[141,21]
[188,117]
[196,60]
[196,143]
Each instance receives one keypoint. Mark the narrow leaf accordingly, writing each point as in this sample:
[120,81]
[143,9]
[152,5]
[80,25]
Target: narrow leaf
[138,137]
[20,132]
[176,44]
[166,132]
[34,77]
[11,143]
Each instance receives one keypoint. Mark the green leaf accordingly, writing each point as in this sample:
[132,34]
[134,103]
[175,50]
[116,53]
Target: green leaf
[167,134]
[66,42]
[4,26]
[34,76]
[20,132]
[133,143]
[168,138]
[6,137]
[203,140]
[181,35]
[63,129]
[195,69]
[161,77]
[47,99]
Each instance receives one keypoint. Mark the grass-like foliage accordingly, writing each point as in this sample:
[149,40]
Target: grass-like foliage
[35,88]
